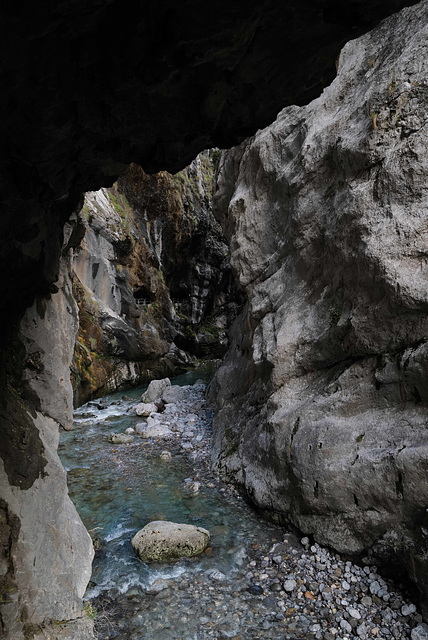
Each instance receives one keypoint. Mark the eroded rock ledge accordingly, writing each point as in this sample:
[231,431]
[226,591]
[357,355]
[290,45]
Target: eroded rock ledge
[326,215]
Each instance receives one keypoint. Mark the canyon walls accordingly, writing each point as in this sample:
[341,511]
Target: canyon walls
[326,214]
[152,279]
[87,88]
[45,550]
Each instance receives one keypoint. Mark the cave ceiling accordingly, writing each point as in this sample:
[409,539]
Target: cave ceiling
[89,86]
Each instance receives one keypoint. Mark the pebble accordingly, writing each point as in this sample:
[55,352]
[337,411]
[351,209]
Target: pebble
[420,632]
[290,585]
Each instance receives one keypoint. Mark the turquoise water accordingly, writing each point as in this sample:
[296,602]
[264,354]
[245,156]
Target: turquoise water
[117,489]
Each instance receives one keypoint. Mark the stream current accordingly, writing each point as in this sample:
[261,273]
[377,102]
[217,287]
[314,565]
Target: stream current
[118,489]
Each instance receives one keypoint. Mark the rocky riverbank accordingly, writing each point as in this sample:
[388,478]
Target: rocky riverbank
[282,586]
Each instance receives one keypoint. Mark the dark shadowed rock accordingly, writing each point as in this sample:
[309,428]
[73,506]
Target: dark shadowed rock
[322,401]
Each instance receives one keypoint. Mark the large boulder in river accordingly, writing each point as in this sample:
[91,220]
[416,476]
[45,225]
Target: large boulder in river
[155,390]
[163,541]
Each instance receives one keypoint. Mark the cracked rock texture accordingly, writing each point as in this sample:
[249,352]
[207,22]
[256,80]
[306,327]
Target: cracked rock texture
[152,279]
[46,552]
[89,86]
[327,215]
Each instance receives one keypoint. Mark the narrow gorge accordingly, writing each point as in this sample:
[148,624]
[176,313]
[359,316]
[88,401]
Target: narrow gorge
[115,272]
[152,280]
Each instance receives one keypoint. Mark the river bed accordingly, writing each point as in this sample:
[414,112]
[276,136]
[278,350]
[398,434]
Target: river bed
[256,580]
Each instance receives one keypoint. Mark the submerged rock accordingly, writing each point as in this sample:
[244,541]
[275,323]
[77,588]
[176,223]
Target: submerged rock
[163,541]
[121,438]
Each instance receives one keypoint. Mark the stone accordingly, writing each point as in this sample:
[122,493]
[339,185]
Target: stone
[144,409]
[216,575]
[290,585]
[420,632]
[120,438]
[174,394]
[153,420]
[129,431]
[158,585]
[156,430]
[192,487]
[140,427]
[166,455]
[155,390]
[374,587]
[163,541]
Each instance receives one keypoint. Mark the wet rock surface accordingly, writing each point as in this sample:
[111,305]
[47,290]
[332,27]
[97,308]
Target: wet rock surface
[282,586]
[163,541]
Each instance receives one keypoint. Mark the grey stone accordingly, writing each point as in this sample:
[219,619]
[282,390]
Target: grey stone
[215,574]
[162,541]
[420,632]
[158,585]
[144,409]
[156,430]
[374,587]
[290,585]
[354,613]
[174,394]
[155,390]
[140,427]
[121,438]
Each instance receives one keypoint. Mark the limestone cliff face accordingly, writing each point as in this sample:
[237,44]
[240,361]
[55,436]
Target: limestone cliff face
[45,551]
[326,211]
[151,278]
[87,88]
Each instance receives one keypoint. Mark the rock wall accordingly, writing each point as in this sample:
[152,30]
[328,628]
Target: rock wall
[152,280]
[46,553]
[326,213]
[87,88]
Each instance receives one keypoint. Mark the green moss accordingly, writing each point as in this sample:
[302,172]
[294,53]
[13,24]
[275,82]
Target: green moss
[215,158]
[86,212]
[90,610]
[122,207]
[335,314]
